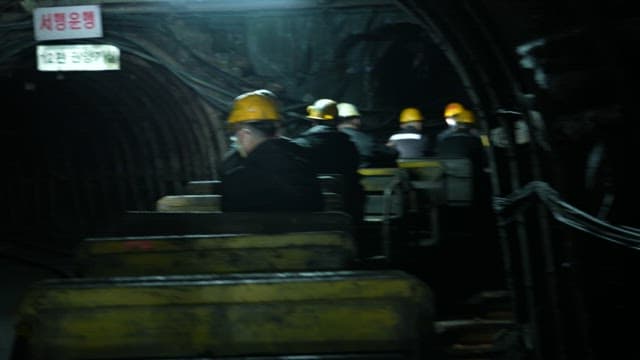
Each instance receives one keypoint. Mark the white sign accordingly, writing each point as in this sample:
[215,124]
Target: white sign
[78,57]
[67,22]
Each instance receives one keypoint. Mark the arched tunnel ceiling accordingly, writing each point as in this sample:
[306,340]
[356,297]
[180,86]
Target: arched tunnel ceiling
[130,136]
[79,148]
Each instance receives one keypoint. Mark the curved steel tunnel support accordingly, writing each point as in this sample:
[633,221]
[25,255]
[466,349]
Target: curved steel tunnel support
[542,216]
[139,150]
[484,94]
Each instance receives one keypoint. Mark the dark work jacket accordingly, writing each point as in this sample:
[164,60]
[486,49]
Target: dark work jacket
[465,142]
[410,143]
[373,154]
[332,152]
[275,176]
[450,130]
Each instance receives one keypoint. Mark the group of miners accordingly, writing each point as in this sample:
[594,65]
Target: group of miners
[267,171]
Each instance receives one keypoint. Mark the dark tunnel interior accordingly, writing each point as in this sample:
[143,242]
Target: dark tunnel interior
[80,148]
[81,141]
[78,126]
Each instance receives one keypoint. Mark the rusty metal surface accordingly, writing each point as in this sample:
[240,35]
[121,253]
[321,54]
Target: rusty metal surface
[134,223]
[235,315]
[226,253]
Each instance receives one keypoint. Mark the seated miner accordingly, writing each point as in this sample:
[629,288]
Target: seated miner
[373,153]
[333,152]
[264,171]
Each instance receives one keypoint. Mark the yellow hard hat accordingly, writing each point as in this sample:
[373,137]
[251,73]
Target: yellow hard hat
[323,109]
[346,110]
[452,109]
[465,117]
[410,114]
[253,106]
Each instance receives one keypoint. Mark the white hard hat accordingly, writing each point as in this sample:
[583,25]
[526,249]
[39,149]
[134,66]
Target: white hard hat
[346,110]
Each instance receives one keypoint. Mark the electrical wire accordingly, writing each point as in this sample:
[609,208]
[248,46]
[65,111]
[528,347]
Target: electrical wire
[565,213]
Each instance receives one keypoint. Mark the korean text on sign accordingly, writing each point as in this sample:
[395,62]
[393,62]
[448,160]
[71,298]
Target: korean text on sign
[79,57]
[67,22]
